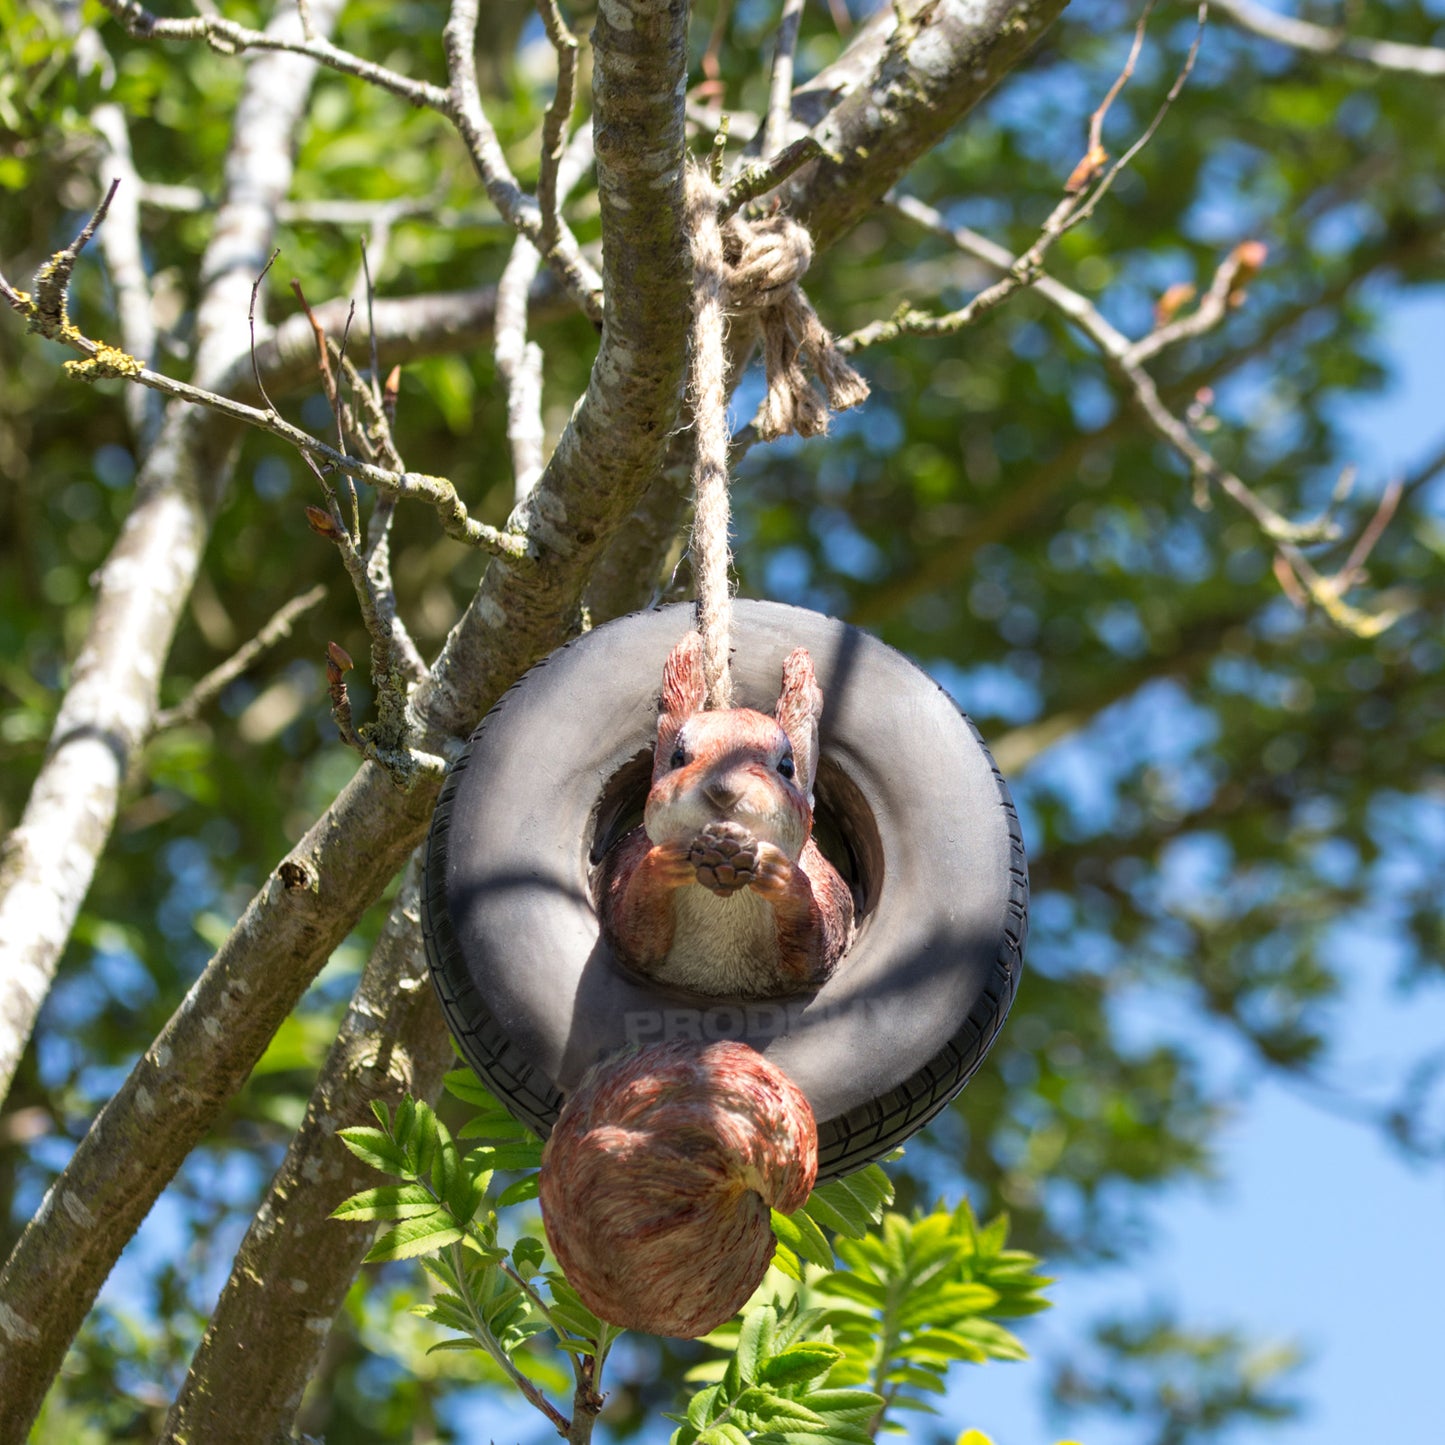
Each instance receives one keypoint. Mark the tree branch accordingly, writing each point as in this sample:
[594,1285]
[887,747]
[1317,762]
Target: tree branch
[1386,55]
[1024,498]
[465,110]
[407,329]
[1121,357]
[460,104]
[105,361]
[780,87]
[219,678]
[519,365]
[296,1263]
[519,361]
[555,123]
[230,38]
[874,112]
[892,96]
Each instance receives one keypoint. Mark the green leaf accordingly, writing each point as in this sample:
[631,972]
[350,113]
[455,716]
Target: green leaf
[724,1434]
[837,1435]
[769,1409]
[920,1379]
[422,1139]
[568,1309]
[800,1363]
[851,1286]
[372,1147]
[803,1237]
[528,1255]
[852,1206]
[404,1122]
[942,1344]
[451,1182]
[949,1301]
[857,1407]
[463,1084]
[831,1434]
[526,1154]
[467,1344]
[424,1235]
[699,1408]
[386,1201]
[755,1341]
[487,1253]
[995,1340]
[991,1238]
[786,1262]
[518,1193]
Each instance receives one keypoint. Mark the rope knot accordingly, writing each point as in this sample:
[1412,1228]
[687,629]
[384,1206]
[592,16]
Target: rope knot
[764,261]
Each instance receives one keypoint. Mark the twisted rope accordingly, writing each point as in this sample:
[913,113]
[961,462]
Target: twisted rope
[748,270]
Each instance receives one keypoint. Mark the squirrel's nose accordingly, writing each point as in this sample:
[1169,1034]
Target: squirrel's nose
[721,793]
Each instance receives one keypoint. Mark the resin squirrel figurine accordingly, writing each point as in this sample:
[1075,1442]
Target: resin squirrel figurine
[722,890]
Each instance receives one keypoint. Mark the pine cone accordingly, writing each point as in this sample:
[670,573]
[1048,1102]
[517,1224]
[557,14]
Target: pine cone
[725,856]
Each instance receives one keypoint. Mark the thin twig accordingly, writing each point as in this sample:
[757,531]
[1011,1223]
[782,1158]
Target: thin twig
[191,200]
[519,361]
[555,122]
[1078,204]
[52,281]
[717,155]
[1119,355]
[460,104]
[219,678]
[464,106]
[1095,156]
[1224,291]
[396,665]
[1354,568]
[762,176]
[437,492]
[371,325]
[230,38]
[251,322]
[1076,215]
[780,89]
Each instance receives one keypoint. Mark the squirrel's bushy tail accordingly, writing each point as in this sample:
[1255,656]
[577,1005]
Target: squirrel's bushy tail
[658,1180]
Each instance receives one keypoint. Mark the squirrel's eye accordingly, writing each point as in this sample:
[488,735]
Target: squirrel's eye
[785,765]
[678,759]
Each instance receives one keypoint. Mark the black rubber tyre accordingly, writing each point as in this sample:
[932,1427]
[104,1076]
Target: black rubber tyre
[909,806]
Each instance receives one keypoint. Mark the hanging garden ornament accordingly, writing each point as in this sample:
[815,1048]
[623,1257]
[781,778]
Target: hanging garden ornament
[908,806]
[721,911]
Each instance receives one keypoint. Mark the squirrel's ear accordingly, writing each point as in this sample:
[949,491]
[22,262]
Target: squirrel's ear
[800,705]
[683,691]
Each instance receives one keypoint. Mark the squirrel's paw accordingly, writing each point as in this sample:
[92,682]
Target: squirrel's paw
[772,872]
[723,857]
[672,864]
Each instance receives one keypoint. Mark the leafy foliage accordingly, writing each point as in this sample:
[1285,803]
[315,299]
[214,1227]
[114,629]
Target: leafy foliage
[899,1301]
[775,1387]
